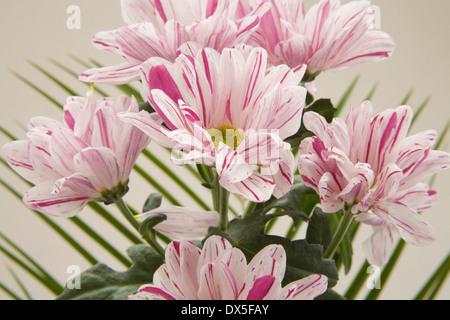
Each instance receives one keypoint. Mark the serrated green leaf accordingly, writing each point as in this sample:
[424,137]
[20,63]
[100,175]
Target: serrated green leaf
[103,283]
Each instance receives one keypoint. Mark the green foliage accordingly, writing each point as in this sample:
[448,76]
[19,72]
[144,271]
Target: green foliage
[103,283]
[153,201]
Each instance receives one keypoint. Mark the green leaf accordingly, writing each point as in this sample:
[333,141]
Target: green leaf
[145,106]
[303,259]
[330,294]
[299,198]
[103,283]
[319,229]
[325,108]
[153,201]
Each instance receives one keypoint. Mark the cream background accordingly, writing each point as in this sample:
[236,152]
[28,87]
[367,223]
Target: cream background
[36,30]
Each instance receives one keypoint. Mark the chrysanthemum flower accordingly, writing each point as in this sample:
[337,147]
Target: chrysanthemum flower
[167,28]
[220,272]
[225,111]
[372,166]
[88,156]
[330,36]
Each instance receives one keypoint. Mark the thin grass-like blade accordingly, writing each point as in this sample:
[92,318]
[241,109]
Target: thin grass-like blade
[164,192]
[19,283]
[58,82]
[176,179]
[407,97]
[37,89]
[372,92]
[434,284]
[74,74]
[60,231]
[419,110]
[30,260]
[9,292]
[387,270]
[347,94]
[30,270]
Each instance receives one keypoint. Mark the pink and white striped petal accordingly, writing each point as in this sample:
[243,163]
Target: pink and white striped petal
[305,289]
[66,198]
[17,155]
[148,292]
[183,223]
[413,228]
[378,247]
[100,165]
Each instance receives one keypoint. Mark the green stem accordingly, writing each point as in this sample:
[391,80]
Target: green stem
[344,225]
[223,199]
[123,208]
[220,197]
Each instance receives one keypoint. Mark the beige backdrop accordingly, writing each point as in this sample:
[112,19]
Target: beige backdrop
[37,31]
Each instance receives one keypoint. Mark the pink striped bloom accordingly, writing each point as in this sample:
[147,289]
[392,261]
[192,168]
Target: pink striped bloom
[183,223]
[329,36]
[220,272]
[166,28]
[88,156]
[225,111]
[371,165]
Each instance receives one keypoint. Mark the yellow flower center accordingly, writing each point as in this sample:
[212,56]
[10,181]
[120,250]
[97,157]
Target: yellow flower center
[230,136]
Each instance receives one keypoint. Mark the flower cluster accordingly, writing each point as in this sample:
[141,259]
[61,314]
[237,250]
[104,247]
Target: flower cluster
[220,272]
[88,156]
[226,83]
